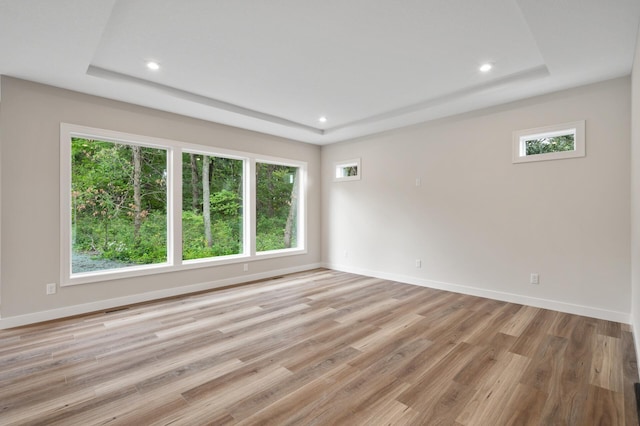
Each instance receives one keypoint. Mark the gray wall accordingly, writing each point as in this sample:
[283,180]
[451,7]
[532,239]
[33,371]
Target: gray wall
[481,224]
[30,138]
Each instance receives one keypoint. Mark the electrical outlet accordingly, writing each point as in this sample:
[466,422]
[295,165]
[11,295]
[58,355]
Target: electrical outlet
[418,181]
[51,288]
[418,263]
[245,267]
[346,254]
[534,279]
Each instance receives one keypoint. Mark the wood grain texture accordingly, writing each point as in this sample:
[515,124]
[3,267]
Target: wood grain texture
[320,348]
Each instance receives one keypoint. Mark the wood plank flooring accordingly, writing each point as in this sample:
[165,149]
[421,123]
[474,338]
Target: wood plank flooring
[320,348]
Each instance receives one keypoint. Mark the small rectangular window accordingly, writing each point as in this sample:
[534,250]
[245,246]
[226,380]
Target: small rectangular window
[555,142]
[347,170]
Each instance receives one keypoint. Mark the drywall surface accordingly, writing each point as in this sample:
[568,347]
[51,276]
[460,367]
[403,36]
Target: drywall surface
[635,196]
[481,224]
[30,121]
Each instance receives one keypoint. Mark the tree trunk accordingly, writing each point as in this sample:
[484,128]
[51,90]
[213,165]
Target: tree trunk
[106,234]
[292,211]
[194,183]
[137,193]
[270,169]
[206,201]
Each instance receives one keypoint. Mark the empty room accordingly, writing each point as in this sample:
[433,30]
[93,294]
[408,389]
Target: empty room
[319,213]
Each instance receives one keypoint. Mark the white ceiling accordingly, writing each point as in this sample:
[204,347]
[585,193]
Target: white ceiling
[277,66]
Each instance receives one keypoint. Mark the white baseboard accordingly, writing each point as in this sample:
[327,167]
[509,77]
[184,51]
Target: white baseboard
[588,311]
[19,320]
[100,305]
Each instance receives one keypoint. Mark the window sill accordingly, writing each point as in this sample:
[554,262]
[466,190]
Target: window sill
[144,270]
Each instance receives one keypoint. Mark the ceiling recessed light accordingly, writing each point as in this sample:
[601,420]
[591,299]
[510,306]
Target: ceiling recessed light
[153,65]
[486,67]
[322,119]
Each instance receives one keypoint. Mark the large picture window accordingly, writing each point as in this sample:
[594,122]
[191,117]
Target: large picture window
[134,205]
[118,205]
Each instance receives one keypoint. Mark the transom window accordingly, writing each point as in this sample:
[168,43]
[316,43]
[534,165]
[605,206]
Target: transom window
[549,143]
[133,205]
[347,170]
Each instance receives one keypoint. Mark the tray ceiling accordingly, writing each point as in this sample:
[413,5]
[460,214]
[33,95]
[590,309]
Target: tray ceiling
[277,67]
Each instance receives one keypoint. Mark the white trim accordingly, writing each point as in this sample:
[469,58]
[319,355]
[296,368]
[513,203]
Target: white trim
[278,161]
[19,320]
[250,220]
[65,202]
[116,274]
[174,207]
[339,165]
[68,131]
[179,261]
[161,268]
[301,228]
[154,142]
[278,253]
[570,308]
[519,154]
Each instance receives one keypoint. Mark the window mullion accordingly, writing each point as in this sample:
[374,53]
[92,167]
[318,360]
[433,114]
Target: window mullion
[174,207]
[250,207]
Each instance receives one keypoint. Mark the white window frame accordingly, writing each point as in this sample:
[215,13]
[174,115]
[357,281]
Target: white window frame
[577,128]
[340,165]
[174,150]
[246,206]
[301,229]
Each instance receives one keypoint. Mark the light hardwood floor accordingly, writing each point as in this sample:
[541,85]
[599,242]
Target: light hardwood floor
[321,348]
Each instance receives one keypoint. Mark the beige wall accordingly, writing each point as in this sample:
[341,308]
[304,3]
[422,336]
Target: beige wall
[30,121]
[635,196]
[481,224]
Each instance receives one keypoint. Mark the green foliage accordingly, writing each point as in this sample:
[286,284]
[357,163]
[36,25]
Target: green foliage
[119,242]
[226,174]
[103,205]
[227,238]
[273,202]
[546,145]
[272,241]
[270,234]
[225,203]
[350,171]
[225,179]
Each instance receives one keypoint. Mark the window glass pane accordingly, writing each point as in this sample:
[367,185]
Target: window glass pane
[119,205]
[212,197]
[545,145]
[276,206]
[347,171]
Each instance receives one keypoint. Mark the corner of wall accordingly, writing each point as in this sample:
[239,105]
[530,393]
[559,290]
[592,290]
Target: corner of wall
[635,197]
